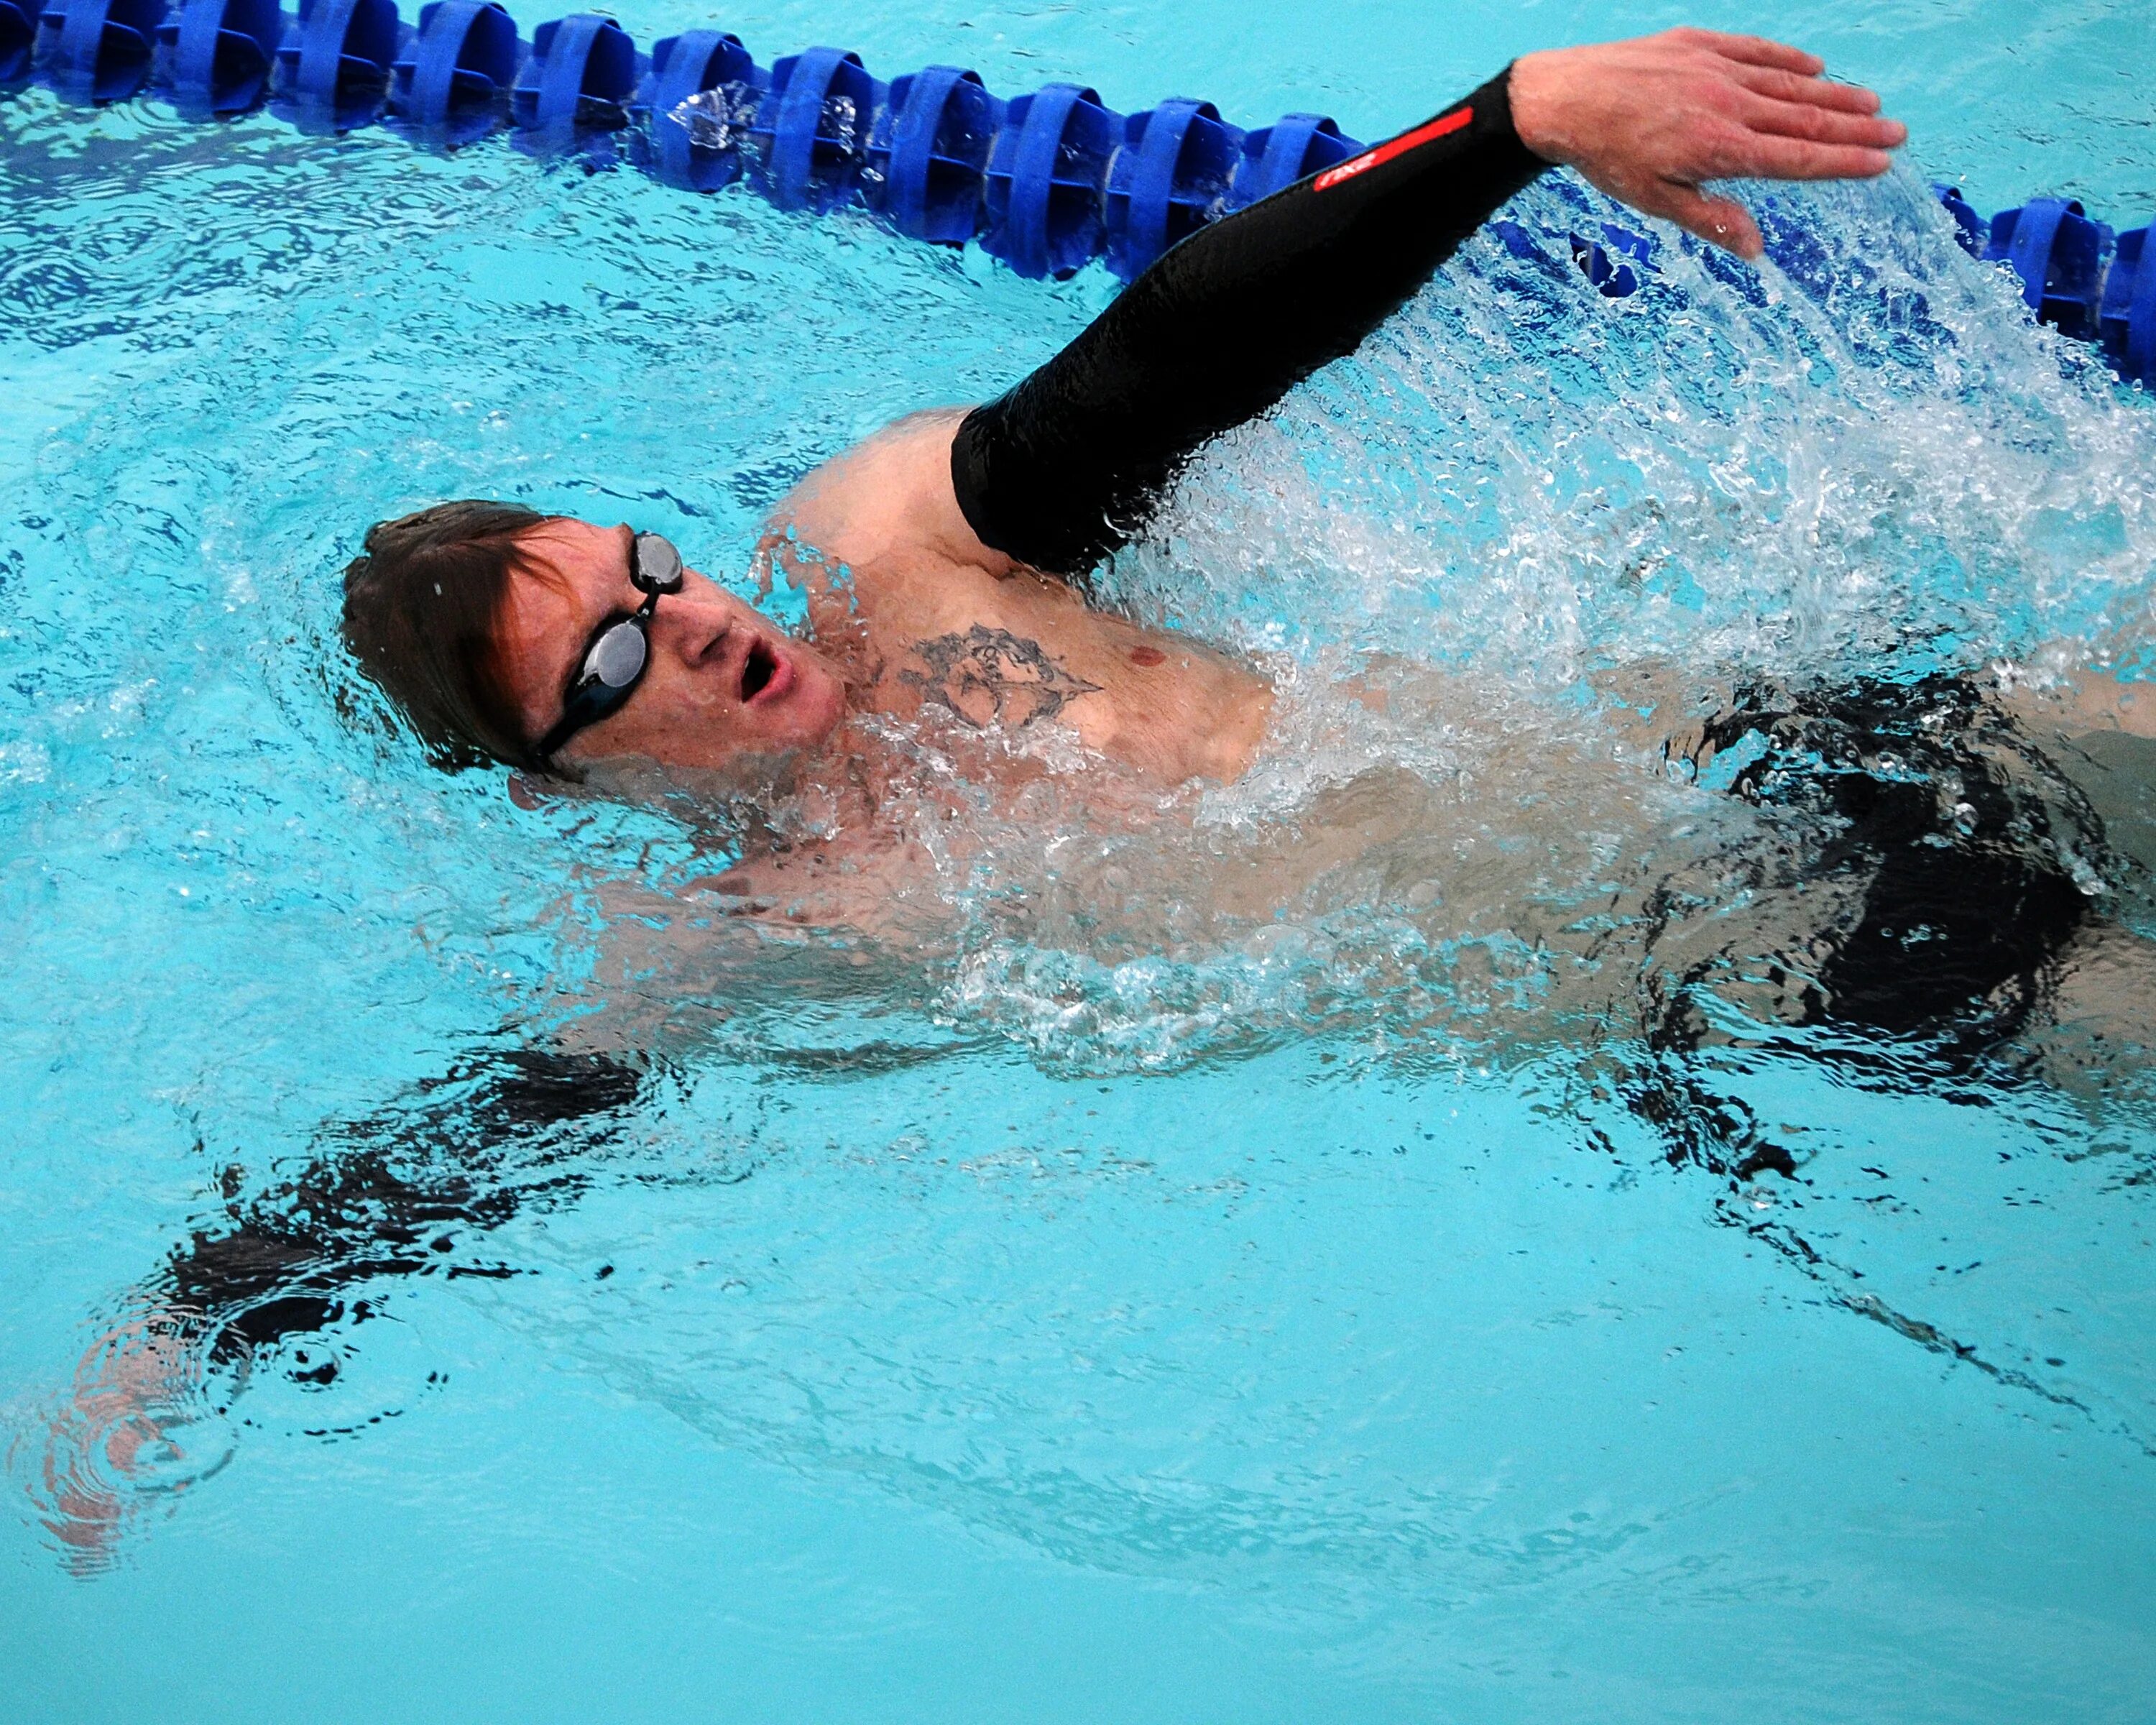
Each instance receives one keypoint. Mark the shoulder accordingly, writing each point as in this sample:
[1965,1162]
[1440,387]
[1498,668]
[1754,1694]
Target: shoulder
[887,503]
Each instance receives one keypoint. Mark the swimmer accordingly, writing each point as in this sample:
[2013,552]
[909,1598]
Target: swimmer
[570,650]
[946,563]
[576,650]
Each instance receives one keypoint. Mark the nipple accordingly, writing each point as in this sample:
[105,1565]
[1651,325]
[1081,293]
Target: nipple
[1147,656]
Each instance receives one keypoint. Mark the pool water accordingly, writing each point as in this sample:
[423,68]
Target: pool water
[1446,1284]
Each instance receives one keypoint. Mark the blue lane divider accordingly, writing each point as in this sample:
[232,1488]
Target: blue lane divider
[928,154]
[448,81]
[99,50]
[1604,262]
[1613,263]
[1046,182]
[333,64]
[2073,275]
[810,130]
[2127,319]
[697,82]
[1970,228]
[1047,176]
[1169,179]
[2058,253]
[581,75]
[1276,156]
[221,54]
[18,37]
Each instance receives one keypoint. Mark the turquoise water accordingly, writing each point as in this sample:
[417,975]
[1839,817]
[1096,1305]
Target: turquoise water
[1119,1302]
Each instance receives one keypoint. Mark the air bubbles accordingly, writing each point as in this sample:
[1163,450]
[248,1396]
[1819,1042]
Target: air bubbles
[715,119]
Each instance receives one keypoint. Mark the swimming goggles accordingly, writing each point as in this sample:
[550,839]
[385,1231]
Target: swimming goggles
[620,650]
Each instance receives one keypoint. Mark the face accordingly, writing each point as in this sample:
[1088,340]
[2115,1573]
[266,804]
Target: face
[724,689]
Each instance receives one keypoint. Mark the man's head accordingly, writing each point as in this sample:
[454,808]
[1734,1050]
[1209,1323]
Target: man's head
[478,619]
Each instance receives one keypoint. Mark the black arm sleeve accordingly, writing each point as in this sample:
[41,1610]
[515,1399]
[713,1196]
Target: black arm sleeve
[389,1195]
[1064,468]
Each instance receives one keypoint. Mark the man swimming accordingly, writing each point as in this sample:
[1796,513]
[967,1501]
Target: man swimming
[946,564]
[945,560]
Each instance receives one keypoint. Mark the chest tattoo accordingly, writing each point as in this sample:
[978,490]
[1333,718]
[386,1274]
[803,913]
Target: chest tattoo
[990,676]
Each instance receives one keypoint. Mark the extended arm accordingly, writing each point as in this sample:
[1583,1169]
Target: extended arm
[1064,468]
[390,1195]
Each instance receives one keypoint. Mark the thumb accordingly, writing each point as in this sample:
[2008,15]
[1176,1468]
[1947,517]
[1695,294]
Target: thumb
[1720,221]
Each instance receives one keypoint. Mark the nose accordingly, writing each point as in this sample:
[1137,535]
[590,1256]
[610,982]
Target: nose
[692,626]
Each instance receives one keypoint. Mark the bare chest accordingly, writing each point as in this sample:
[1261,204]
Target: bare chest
[1019,653]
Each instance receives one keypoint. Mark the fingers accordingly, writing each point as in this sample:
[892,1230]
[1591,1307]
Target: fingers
[1821,125]
[1759,155]
[1650,121]
[1719,221]
[1819,92]
[1755,50]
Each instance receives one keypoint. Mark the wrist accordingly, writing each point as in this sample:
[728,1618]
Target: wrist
[1534,87]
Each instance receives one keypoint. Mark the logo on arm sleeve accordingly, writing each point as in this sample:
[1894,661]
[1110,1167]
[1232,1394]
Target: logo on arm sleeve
[1407,141]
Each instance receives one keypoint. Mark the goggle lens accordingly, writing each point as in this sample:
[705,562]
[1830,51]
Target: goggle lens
[617,657]
[658,565]
[615,663]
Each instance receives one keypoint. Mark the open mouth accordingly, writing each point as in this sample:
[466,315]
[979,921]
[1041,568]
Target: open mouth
[760,667]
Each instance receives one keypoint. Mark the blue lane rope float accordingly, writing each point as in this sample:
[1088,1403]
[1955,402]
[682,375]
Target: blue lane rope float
[2058,253]
[2127,315]
[1276,156]
[695,80]
[221,54]
[928,154]
[1614,263]
[1970,229]
[581,75]
[1046,182]
[1167,180]
[448,83]
[1048,170]
[333,64]
[2075,273]
[19,36]
[809,132]
[99,50]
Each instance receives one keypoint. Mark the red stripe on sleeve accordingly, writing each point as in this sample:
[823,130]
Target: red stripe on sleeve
[1407,141]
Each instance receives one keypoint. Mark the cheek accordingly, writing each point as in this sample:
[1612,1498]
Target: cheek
[676,719]
[815,711]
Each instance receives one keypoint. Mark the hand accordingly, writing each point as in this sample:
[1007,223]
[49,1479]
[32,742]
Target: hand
[116,1431]
[1649,119]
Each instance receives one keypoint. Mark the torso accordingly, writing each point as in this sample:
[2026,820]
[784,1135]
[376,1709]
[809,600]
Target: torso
[931,631]
[1023,651]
